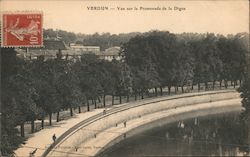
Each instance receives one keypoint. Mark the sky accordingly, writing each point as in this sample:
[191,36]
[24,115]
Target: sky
[219,17]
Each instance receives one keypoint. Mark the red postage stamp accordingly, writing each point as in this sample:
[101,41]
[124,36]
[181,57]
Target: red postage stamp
[22,29]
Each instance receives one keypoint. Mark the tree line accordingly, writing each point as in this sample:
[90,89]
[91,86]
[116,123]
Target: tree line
[104,40]
[34,89]
[162,59]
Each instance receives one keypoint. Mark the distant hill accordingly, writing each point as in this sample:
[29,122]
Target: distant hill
[106,40]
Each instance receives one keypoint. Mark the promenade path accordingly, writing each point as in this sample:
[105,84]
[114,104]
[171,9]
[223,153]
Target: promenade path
[43,139]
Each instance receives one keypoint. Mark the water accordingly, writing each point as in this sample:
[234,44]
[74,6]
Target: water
[208,136]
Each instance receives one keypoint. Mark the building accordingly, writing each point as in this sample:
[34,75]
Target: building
[81,49]
[111,53]
[52,47]
[50,50]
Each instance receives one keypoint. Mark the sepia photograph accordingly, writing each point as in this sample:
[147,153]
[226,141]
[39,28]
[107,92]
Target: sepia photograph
[124,78]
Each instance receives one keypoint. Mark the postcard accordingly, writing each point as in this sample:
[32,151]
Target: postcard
[121,78]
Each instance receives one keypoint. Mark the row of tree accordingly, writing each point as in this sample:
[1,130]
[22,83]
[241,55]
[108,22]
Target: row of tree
[34,89]
[162,59]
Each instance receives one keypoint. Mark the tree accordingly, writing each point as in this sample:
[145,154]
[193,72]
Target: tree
[68,88]
[89,76]
[184,65]
[17,99]
[122,80]
[245,91]
[245,116]
[46,75]
[67,37]
[141,59]
[233,57]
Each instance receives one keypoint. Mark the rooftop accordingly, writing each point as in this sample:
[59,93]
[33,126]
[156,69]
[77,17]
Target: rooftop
[52,45]
[112,51]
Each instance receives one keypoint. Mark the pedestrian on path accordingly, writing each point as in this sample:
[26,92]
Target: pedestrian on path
[125,124]
[104,111]
[54,137]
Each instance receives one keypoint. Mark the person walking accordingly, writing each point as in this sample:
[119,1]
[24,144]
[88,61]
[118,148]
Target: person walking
[104,111]
[54,137]
[125,124]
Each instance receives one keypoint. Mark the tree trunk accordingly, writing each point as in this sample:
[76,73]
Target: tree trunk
[104,100]
[213,84]
[161,91]
[220,83]
[206,86]
[88,105]
[92,101]
[135,96]
[142,96]
[120,99]
[71,111]
[95,103]
[156,94]
[175,89]
[79,109]
[231,83]
[50,119]
[99,100]
[192,88]
[199,86]
[225,82]
[128,98]
[22,129]
[57,116]
[32,126]
[169,90]
[240,82]
[42,123]
[113,99]
[182,88]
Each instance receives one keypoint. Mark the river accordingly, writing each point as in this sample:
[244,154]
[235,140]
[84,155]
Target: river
[218,135]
